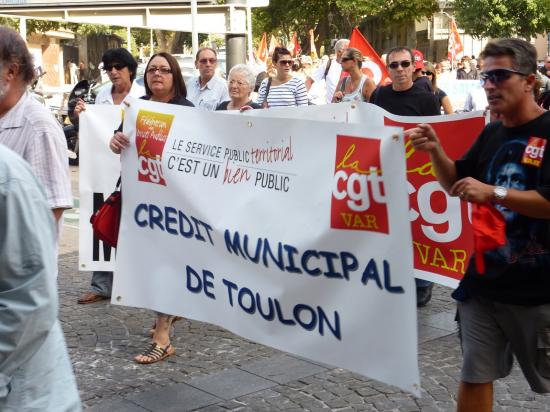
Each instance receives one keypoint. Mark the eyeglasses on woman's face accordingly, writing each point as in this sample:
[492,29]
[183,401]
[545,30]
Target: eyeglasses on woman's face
[117,66]
[162,70]
[427,73]
[347,59]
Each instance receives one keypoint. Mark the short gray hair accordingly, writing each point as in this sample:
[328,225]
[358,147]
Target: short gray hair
[522,53]
[341,44]
[248,73]
[14,50]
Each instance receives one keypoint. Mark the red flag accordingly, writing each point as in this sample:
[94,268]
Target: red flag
[272,44]
[373,66]
[489,231]
[294,47]
[261,52]
[312,49]
[455,43]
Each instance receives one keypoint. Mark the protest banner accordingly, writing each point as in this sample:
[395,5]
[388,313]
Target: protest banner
[441,224]
[99,171]
[293,234]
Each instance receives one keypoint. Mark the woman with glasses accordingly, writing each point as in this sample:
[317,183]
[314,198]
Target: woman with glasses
[444,100]
[241,81]
[283,89]
[357,87]
[163,83]
[121,68]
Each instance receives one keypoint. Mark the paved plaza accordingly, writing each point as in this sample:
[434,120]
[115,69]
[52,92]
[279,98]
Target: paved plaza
[215,370]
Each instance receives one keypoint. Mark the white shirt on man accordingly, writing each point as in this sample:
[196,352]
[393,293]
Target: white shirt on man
[332,79]
[210,95]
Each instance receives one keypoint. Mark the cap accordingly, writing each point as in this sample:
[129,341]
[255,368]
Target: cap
[418,59]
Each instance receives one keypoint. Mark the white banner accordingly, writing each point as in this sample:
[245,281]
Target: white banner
[291,233]
[99,171]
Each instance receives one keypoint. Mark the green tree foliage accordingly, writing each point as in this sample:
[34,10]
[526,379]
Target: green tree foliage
[332,18]
[503,18]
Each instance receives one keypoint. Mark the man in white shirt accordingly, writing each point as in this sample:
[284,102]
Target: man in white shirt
[330,71]
[206,90]
[28,128]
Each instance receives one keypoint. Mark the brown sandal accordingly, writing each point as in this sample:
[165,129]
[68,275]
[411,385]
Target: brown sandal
[156,353]
[171,320]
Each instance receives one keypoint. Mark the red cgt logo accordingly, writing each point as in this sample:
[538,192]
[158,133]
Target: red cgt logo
[358,196]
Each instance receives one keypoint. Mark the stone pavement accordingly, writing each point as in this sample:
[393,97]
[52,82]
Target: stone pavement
[215,370]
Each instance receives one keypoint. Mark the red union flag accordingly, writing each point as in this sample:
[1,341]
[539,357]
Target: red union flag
[455,43]
[294,47]
[373,66]
[358,195]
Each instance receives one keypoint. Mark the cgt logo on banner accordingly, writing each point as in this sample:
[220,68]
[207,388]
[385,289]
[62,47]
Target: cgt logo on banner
[152,130]
[358,200]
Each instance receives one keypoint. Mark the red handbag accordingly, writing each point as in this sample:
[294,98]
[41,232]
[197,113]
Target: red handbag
[106,220]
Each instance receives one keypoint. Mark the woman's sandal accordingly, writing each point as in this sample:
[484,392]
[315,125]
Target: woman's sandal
[156,353]
[172,320]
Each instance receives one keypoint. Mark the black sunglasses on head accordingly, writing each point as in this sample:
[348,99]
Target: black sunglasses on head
[498,76]
[117,66]
[402,63]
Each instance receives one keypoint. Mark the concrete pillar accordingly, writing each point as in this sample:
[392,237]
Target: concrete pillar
[23,28]
[194,29]
[235,44]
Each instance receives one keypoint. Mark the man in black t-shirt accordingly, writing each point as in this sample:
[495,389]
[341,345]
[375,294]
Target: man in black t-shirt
[504,309]
[405,98]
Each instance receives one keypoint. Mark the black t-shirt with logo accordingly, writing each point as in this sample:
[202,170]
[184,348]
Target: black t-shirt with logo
[516,158]
[416,101]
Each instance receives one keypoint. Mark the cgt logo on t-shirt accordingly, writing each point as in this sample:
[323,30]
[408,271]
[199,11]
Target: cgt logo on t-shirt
[358,196]
[152,130]
[534,151]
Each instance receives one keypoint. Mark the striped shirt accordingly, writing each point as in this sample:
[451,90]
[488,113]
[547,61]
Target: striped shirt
[31,131]
[291,93]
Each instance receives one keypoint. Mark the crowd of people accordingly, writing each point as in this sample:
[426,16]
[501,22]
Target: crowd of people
[501,313]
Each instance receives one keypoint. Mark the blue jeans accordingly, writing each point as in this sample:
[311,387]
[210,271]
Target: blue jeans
[102,283]
[421,283]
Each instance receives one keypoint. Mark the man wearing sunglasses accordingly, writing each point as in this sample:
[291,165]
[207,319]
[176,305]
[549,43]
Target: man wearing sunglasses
[504,310]
[207,90]
[406,98]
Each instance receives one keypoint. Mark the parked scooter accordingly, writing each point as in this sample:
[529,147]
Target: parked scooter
[82,90]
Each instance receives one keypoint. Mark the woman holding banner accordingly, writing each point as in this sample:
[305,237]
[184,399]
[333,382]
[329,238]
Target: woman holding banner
[444,100]
[283,89]
[163,83]
[357,87]
[240,82]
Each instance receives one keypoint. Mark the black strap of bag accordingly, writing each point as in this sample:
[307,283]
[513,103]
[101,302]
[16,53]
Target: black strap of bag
[327,68]
[264,103]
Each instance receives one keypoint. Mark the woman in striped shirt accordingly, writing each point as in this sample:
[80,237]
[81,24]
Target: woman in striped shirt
[283,89]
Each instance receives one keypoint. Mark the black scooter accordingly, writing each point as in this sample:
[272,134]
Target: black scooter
[82,90]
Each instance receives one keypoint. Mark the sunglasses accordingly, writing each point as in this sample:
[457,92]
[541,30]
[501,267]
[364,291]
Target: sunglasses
[211,61]
[498,76]
[161,70]
[117,66]
[427,73]
[403,63]
[286,62]
[347,59]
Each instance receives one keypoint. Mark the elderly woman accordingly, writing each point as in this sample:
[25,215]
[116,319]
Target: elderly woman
[241,81]
[357,86]
[163,83]
[283,89]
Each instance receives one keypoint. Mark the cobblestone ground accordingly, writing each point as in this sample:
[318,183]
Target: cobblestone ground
[235,374]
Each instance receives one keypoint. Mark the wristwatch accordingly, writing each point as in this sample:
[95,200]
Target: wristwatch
[500,193]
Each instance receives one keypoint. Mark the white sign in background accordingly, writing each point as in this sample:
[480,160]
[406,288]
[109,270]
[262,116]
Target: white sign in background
[99,170]
[361,321]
